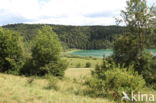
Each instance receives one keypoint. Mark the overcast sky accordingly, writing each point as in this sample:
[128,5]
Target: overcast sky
[67,12]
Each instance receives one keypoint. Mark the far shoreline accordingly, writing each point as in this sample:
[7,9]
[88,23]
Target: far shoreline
[71,52]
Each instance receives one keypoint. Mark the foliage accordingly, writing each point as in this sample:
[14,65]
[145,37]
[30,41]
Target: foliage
[12,51]
[107,64]
[127,52]
[151,40]
[80,37]
[46,54]
[154,86]
[137,17]
[130,48]
[88,65]
[146,67]
[114,81]
[56,68]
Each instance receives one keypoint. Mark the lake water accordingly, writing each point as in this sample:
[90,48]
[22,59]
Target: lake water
[101,53]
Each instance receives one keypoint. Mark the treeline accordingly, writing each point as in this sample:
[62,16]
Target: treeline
[80,37]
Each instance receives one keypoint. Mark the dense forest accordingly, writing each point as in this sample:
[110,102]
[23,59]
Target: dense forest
[80,37]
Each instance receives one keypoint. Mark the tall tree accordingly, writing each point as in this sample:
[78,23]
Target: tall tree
[137,17]
[12,51]
[129,49]
[46,53]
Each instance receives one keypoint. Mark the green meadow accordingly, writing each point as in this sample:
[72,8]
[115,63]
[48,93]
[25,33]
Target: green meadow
[18,89]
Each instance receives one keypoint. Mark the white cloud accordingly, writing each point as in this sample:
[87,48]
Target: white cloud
[70,12]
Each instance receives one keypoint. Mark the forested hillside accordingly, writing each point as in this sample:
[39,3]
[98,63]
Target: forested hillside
[80,37]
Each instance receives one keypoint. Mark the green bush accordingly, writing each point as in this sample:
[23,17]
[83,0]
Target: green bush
[88,65]
[106,65]
[146,66]
[115,81]
[55,68]
[12,51]
[45,55]
[28,68]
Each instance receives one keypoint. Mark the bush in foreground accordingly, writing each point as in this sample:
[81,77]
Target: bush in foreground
[88,65]
[114,81]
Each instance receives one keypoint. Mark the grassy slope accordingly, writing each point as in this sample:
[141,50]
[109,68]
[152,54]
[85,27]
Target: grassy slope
[16,89]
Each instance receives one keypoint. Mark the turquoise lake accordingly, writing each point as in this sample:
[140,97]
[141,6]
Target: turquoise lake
[101,53]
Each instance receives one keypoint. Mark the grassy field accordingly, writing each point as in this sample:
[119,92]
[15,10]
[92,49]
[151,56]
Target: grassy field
[17,89]
[74,62]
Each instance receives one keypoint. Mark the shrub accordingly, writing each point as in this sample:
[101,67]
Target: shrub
[106,65]
[55,68]
[46,55]
[116,80]
[146,66]
[88,65]
[28,68]
[12,51]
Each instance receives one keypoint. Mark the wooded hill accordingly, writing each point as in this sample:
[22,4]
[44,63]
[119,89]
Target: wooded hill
[80,37]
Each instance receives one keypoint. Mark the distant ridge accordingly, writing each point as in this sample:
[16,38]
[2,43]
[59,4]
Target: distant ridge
[80,37]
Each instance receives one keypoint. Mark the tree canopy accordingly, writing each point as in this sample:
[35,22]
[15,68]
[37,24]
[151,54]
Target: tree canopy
[45,51]
[12,51]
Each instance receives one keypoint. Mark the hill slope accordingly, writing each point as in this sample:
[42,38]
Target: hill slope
[80,37]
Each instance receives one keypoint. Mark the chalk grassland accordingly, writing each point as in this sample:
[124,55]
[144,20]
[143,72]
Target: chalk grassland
[17,89]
